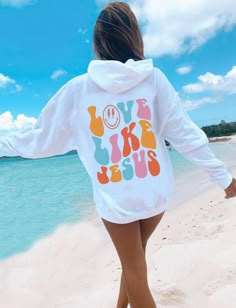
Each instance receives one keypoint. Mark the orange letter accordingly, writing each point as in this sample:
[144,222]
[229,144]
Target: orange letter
[115,173]
[102,176]
[127,133]
[96,124]
[148,138]
[153,165]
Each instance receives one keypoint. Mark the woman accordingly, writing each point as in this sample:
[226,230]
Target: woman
[118,116]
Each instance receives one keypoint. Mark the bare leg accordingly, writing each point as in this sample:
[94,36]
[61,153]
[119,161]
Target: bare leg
[127,241]
[123,299]
[147,226]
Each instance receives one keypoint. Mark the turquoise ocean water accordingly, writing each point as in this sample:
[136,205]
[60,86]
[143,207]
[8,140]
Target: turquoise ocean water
[39,195]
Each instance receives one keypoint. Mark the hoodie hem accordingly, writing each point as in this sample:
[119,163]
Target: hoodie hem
[132,218]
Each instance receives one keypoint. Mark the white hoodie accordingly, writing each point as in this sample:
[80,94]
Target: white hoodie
[117,117]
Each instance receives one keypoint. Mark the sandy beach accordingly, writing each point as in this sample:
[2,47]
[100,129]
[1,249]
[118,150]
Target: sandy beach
[191,257]
[230,139]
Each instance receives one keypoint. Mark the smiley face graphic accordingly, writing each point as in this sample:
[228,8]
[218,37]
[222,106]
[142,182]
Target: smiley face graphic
[111,116]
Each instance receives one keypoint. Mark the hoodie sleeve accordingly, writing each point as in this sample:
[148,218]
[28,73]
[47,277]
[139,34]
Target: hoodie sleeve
[49,136]
[185,136]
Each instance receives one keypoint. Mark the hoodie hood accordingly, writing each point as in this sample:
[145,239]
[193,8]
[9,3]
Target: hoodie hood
[117,77]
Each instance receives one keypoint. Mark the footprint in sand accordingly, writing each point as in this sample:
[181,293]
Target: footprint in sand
[170,295]
[213,228]
[225,278]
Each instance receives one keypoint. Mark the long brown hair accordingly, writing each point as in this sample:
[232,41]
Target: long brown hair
[117,35]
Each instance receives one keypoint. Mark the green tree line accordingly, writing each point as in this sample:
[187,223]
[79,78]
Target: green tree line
[218,130]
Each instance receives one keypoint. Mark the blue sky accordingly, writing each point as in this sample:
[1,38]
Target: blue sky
[46,43]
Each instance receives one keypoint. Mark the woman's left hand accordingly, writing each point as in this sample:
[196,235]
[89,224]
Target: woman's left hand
[230,191]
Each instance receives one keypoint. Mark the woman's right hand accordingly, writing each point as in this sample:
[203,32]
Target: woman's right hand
[230,191]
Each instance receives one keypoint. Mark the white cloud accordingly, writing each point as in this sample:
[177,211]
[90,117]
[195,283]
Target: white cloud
[82,31]
[15,3]
[176,27]
[184,70]
[197,103]
[18,88]
[193,88]
[215,83]
[6,81]
[57,74]
[8,123]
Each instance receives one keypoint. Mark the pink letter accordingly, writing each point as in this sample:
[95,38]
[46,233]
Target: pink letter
[143,109]
[116,154]
[140,166]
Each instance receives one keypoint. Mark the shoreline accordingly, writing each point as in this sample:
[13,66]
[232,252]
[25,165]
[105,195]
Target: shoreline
[219,139]
[227,139]
[191,257]
[230,139]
